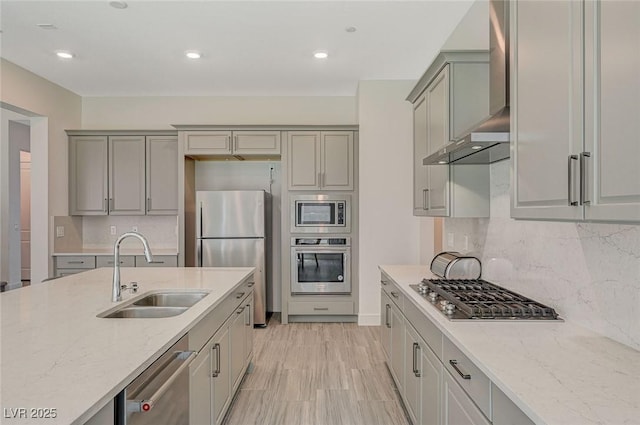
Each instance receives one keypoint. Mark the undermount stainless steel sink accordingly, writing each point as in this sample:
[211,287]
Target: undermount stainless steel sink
[171,299]
[131,312]
[156,305]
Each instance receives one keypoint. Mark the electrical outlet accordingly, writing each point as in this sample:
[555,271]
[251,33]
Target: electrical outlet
[113,230]
[59,231]
[450,240]
[134,228]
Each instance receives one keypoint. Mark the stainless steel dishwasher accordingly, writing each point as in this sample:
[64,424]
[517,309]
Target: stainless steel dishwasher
[160,394]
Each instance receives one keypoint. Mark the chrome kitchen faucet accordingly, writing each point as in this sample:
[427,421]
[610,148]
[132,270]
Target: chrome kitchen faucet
[116,291]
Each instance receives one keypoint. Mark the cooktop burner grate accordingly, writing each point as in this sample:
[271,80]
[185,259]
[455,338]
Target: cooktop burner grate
[479,299]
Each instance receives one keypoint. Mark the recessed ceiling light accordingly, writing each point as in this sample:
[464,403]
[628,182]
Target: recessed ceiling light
[192,54]
[321,55]
[476,147]
[64,54]
[118,4]
[47,26]
[442,162]
[350,29]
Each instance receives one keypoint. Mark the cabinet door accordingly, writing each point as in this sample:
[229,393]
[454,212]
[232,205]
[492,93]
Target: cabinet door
[337,160]
[237,338]
[612,105]
[256,143]
[420,186]
[162,175]
[438,111]
[458,409]
[248,328]
[88,175]
[200,388]
[430,387]
[127,175]
[304,160]
[385,326]
[546,126]
[221,379]
[397,346]
[207,143]
[412,348]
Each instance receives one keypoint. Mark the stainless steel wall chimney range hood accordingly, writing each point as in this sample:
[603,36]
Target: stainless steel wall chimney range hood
[488,141]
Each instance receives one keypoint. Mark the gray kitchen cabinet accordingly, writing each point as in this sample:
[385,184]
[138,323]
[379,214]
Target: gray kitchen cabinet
[227,142]
[65,265]
[575,120]
[158,261]
[385,326]
[123,174]
[72,264]
[88,175]
[200,400]
[248,330]
[505,412]
[108,260]
[451,97]
[397,345]
[321,160]
[237,342]
[162,175]
[126,175]
[220,372]
[458,409]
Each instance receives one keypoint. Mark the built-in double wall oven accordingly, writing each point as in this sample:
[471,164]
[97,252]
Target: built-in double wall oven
[320,265]
[320,244]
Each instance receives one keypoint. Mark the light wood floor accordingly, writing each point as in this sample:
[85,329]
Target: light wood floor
[317,374]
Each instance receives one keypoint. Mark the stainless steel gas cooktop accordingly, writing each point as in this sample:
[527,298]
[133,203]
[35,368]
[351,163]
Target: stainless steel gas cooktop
[471,299]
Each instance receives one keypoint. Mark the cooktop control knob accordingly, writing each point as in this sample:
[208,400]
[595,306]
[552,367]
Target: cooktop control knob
[449,308]
[433,296]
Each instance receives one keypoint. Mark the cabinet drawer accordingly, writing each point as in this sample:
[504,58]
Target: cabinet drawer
[427,330]
[475,383]
[321,307]
[158,261]
[393,292]
[207,143]
[256,142]
[67,272]
[107,261]
[76,262]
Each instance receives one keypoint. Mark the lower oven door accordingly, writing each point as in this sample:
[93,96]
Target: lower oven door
[320,270]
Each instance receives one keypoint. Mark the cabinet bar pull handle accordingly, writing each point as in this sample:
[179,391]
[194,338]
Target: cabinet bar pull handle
[148,204]
[104,205]
[570,180]
[584,192]
[216,371]
[147,405]
[384,282]
[110,204]
[240,310]
[454,364]
[250,284]
[394,294]
[425,196]
[240,295]
[321,308]
[75,262]
[416,371]
[248,316]
[387,307]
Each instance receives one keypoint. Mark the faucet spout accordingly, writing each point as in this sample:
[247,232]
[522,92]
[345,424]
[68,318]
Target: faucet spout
[116,290]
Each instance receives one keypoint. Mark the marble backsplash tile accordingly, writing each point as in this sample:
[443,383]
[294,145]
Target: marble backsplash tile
[589,272]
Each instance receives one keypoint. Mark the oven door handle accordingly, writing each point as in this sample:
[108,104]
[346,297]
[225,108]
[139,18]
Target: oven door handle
[147,404]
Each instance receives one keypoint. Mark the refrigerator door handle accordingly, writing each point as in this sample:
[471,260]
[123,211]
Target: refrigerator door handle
[199,252]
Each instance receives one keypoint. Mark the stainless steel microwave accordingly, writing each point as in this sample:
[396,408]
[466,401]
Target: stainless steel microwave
[320,213]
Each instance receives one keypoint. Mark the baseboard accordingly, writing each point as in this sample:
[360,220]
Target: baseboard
[369,320]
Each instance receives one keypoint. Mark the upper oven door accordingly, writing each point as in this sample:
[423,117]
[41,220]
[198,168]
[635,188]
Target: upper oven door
[321,214]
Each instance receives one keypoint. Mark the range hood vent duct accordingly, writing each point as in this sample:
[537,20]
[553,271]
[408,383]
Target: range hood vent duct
[488,141]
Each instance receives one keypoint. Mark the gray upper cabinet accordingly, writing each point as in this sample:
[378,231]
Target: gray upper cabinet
[227,142]
[162,175]
[121,174]
[126,175]
[450,98]
[88,175]
[321,160]
[575,116]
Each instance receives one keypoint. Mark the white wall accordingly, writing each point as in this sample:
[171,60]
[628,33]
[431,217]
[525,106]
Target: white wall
[588,272]
[160,112]
[472,33]
[388,230]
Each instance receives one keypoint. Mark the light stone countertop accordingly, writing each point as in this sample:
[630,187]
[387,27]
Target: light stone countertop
[558,373]
[56,353]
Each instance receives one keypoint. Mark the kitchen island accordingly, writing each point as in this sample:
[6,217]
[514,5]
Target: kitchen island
[57,355]
[555,372]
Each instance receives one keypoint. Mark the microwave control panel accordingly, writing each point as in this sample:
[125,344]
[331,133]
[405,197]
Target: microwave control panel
[340,219]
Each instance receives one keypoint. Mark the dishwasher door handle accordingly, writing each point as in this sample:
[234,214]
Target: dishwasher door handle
[147,404]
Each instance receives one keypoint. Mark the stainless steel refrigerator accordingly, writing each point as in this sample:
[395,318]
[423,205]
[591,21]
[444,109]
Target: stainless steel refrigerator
[231,232]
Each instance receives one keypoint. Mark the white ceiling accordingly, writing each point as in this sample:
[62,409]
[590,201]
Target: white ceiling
[250,48]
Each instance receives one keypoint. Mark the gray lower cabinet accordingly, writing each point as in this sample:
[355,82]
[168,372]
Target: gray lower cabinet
[438,384]
[65,265]
[221,362]
[158,261]
[107,261]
